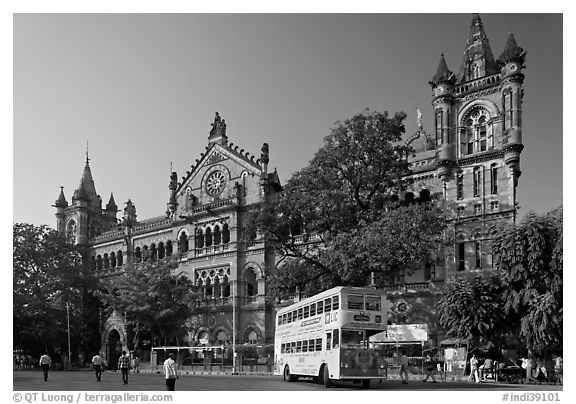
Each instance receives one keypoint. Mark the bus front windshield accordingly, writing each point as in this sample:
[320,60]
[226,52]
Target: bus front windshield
[353,339]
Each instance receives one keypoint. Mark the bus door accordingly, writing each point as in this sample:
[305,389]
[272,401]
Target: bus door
[333,351]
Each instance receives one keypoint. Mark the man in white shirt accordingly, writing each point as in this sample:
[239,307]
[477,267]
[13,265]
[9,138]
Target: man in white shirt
[170,372]
[97,362]
[404,368]
[45,363]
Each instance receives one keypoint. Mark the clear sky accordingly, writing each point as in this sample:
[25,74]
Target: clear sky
[142,90]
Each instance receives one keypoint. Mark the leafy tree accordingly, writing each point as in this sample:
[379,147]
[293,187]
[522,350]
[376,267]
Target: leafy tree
[472,308]
[338,220]
[48,278]
[154,300]
[524,297]
[530,256]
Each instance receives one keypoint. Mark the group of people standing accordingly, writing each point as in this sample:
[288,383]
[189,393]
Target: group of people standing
[124,366]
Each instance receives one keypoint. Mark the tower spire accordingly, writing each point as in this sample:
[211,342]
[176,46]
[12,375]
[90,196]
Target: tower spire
[478,60]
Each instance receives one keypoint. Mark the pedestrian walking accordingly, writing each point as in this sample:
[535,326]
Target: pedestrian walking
[97,363]
[429,367]
[45,363]
[170,372]
[404,368]
[124,366]
[558,369]
[136,364]
[474,369]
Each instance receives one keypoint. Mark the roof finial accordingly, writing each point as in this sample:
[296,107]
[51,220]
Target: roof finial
[87,159]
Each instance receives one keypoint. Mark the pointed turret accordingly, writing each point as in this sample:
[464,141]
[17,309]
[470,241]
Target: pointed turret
[478,60]
[512,52]
[86,190]
[443,74]
[111,205]
[61,202]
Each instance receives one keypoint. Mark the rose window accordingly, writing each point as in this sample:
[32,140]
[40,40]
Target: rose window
[215,183]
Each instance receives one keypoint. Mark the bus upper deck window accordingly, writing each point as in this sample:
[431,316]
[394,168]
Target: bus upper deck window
[373,302]
[335,303]
[289,317]
[320,307]
[312,309]
[355,302]
[306,311]
[327,305]
[300,314]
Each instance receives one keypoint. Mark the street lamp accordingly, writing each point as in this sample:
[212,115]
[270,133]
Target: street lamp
[233,328]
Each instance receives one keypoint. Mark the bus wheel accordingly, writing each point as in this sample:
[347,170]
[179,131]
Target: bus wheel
[326,377]
[288,377]
[365,383]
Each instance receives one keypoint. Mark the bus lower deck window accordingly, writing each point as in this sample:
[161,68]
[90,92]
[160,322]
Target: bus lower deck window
[318,344]
[311,345]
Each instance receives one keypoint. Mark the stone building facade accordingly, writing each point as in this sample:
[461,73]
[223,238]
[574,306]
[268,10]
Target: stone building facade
[469,163]
[204,221]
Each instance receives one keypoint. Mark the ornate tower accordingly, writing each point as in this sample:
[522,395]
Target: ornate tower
[478,144]
[443,100]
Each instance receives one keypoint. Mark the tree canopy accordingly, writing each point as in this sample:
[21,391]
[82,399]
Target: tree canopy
[523,297]
[530,256]
[48,276]
[338,219]
[156,302]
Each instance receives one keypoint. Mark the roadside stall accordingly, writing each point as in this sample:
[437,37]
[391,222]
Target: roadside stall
[455,354]
[402,337]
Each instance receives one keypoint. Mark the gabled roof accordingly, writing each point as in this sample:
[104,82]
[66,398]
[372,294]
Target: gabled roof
[230,150]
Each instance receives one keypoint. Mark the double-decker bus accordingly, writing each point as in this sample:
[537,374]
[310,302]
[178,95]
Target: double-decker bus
[326,336]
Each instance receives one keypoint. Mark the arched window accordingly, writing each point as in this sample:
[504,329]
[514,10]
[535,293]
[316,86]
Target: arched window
[71,231]
[425,196]
[153,252]
[183,242]
[161,251]
[138,254]
[221,337]
[409,198]
[113,259]
[477,181]
[478,251]
[226,287]
[99,262]
[251,337]
[199,239]
[474,133]
[169,248]
[208,290]
[225,234]
[460,184]
[250,281]
[106,261]
[208,237]
[494,178]
[93,265]
[145,253]
[120,258]
[217,236]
